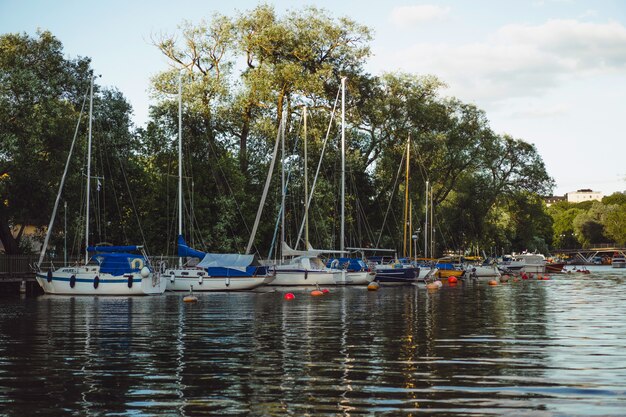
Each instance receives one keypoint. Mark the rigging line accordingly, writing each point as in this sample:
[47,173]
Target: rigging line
[308,203]
[295,146]
[116,199]
[232,194]
[132,201]
[393,190]
[360,209]
[58,199]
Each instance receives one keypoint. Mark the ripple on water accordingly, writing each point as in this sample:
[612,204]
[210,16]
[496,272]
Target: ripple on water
[551,348]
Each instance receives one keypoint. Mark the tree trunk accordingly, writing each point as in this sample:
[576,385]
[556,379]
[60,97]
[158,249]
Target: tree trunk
[8,241]
[243,140]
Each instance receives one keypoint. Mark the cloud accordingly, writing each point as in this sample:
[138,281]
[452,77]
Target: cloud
[541,112]
[408,15]
[520,60]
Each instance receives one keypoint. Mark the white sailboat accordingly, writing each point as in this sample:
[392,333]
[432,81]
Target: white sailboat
[305,267]
[301,267]
[112,270]
[215,271]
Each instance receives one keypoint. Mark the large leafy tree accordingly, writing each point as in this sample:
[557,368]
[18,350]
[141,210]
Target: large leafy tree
[40,96]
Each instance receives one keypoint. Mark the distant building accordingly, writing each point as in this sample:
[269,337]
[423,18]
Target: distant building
[583,195]
[554,199]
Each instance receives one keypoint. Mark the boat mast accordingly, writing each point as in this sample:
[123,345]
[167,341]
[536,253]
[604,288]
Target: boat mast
[406,198]
[343,163]
[432,223]
[426,224]
[88,172]
[306,189]
[180,159]
[283,191]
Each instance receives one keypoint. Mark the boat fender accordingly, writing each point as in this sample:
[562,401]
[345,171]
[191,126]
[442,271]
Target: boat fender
[306,274]
[130,281]
[162,267]
[96,282]
[227,282]
[72,281]
[49,275]
[200,280]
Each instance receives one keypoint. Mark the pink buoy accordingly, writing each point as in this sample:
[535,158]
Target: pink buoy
[289,296]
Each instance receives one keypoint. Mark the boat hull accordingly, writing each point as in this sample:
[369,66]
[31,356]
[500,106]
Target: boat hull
[447,273]
[92,282]
[555,268]
[302,277]
[360,277]
[179,282]
[397,276]
[482,273]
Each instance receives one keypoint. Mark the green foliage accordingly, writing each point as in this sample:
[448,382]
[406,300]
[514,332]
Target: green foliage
[615,223]
[40,96]
[239,75]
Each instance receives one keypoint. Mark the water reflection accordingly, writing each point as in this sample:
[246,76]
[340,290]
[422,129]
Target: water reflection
[530,348]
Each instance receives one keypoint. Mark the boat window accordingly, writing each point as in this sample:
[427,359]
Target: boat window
[184,273]
[316,263]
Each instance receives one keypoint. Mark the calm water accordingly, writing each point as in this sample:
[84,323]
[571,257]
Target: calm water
[549,348]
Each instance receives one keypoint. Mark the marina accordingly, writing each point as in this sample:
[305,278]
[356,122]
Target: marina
[531,348]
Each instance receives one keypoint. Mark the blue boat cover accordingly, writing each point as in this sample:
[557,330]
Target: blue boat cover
[353,264]
[186,251]
[110,249]
[119,263]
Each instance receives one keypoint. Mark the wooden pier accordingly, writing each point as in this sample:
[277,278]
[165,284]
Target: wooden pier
[17,276]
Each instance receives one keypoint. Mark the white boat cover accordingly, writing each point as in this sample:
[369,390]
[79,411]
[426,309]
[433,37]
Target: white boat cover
[225,260]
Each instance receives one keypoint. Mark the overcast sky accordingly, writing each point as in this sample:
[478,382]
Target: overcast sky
[551,72]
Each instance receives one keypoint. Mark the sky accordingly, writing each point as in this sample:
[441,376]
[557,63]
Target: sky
[550,72]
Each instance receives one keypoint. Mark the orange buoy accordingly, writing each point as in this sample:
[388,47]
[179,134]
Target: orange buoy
[452,280]
[373,286]
[190,298]
[289,296]
[316,293]
[493,282]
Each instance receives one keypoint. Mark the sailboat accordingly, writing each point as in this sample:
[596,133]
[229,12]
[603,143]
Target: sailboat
[392,271]
[306,268]
[358,273]
[111,270]
[215,271]
[302,267]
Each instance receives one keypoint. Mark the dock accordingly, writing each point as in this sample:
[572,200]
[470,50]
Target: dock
[17,277]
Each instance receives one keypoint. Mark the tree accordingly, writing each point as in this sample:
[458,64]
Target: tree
[40,95]
[615,223]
